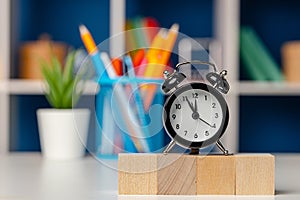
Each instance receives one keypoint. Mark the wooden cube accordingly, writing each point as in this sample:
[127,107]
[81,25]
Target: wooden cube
[255,174]
[137,173]
[216,175]
[176,174]
[157,174]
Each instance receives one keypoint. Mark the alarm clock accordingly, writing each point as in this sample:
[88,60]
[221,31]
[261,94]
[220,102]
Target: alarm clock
[195,113]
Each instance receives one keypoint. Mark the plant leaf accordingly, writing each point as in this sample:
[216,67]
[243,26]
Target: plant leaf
[69,66]
[57,79]
[53,88]
[62,91]
[68,91]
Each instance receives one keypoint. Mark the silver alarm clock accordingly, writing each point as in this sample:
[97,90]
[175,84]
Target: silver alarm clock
[195,114]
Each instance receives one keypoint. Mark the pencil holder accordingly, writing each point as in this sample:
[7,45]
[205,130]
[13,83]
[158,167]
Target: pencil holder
[123,123]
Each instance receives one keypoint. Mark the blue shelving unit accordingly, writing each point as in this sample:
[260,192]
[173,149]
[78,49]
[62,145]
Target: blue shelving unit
[61,18]
[194,17]
[270,123]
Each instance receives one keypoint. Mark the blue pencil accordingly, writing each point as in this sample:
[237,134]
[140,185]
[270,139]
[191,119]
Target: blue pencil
[133,128]
[137,97]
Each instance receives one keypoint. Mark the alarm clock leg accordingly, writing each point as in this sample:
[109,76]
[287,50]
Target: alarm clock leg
[222,148]
[169,147]
[194,151]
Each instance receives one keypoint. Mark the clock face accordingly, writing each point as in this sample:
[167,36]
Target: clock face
[196,115]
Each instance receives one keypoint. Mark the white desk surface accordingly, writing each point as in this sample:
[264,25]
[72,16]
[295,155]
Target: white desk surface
[29,176]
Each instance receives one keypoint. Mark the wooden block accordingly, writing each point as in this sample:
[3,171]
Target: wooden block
[157,174]
[216,175]
[255,174]
[137,173]
[176,174]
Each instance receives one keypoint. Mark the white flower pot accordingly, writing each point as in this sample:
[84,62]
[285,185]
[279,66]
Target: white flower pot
[63,132]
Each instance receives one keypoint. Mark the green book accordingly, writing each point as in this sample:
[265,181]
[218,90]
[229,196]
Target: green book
[265,62]
[248,58]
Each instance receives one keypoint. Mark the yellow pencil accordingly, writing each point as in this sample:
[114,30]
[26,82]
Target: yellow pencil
[155,50]
[159,53]
[169,44]
[158,57]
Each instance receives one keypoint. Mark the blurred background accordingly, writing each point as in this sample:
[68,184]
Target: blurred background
[256,42]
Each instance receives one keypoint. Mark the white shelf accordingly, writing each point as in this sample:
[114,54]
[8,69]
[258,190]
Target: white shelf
[268,88]
[2,86]
[37,87]
[16,86]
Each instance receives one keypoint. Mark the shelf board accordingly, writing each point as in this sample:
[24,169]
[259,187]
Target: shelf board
[245,88]
[37,87]
[2,86]
[252,88]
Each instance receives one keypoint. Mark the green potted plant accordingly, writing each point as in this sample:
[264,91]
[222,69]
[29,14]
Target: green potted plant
[63,128]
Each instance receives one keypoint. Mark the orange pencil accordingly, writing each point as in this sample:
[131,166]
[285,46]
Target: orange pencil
[92,49]
[117,64]
[138,57]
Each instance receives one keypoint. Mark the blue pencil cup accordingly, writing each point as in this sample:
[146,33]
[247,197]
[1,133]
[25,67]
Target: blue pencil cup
[122,123]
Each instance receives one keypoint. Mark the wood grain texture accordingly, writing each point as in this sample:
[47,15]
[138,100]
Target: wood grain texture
[177,174]
[137,174]
[216,175]
[255,174]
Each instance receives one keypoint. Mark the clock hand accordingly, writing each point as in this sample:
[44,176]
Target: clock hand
[190,105]
[206,122]
[196,107]
[195,114]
